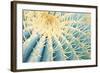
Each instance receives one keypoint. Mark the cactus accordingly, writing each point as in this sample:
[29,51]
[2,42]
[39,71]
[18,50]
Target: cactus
[56,36]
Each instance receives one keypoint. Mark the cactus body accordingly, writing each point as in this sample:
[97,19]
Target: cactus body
[56,36]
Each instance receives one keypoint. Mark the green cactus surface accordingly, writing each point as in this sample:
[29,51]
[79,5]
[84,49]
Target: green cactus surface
[56,36]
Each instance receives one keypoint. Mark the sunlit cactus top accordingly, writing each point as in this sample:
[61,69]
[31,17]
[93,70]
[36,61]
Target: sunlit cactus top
[56,36]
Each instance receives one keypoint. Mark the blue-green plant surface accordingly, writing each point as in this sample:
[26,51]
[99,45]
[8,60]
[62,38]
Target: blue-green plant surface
[56,36]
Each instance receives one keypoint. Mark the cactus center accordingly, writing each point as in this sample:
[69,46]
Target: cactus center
[48,25]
